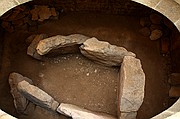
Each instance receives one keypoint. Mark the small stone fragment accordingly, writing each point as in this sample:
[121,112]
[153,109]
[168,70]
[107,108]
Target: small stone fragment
[132,83]
[37,96]
[20,101]
[59,41]
[145,31]
[32,47]
[103,52]
[156,18]
[145,22]
[80,113]
[156,34]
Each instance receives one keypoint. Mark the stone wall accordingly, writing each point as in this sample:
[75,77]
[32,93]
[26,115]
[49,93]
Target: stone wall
[125,7]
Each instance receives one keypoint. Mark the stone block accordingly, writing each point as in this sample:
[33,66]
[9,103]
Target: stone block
[132,83]
[80,113]
[103,52]
[37,96]
[20,101]
[32,47]
[128,115]
[59,41]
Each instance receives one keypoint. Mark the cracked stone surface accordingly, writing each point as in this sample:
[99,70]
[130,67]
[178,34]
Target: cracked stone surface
[20,102]
[80,113]
[103,52]
[31,50]
[132,82]
[37,96]
[59,41]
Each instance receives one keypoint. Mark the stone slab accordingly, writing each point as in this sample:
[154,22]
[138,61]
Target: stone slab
[80,113]
[103,52]
[132,83]
[37,96]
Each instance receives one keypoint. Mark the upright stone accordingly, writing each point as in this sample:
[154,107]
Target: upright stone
[103,52]
[59,41]
[20,101]
[37,96]
[32,47]
[132,82]
[80,113]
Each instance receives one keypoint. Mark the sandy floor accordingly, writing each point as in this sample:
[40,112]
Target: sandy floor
[77,80]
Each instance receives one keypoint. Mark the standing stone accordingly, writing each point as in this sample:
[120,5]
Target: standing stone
[32,47]
[20,101]
[103,52]
[80,113]
[59,41]
[37,96]
[156,34]
[132,82]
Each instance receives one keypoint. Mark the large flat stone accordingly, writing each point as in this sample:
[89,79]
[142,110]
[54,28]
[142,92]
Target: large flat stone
[59,41]
[80,113]
[37,96]
[103,52]
[132,83]
[20,102]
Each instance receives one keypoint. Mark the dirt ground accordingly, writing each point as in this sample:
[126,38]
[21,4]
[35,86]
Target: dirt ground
[75,79]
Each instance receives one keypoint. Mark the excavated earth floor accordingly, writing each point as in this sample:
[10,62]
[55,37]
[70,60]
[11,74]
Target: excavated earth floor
[73,78]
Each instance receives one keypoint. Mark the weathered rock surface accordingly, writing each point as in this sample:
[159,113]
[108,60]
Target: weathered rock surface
[20,101]
[156,34]
[32,47]
[59,41]
[129,115]
[145,31]
[42,13]
[80,113]
[37,96]
[132,83]
[103,52]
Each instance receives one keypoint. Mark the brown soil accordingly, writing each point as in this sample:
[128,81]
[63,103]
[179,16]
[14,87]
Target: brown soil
[75,79]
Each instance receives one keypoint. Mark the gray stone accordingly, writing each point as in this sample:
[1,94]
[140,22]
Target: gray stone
[32,47]
[156,18]
[20,101]
[37,96]
[59,41]
[145,22]
[145,31]
[128,115]
[156,34]
[103,52]
[80,113]
[132,83]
